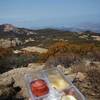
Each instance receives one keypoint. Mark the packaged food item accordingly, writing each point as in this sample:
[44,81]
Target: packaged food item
[39,87]
[72,94]
[51,85]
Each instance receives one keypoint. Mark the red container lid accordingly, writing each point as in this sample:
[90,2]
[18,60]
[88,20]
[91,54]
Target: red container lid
[39,87]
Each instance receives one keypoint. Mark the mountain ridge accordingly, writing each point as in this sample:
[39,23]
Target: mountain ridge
[92,28]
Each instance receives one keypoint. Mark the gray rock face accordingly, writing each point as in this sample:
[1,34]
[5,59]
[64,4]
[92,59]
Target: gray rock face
[12,83]
[5,43]
[7,27]
[7,89]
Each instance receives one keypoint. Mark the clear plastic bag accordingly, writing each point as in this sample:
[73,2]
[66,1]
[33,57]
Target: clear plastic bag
[51,84]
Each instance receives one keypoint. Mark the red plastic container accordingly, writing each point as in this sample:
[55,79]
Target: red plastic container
[39,87]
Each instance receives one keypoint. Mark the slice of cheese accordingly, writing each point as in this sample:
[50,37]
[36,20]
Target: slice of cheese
[58,82]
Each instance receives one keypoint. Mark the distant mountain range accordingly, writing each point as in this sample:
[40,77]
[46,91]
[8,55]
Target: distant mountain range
[11,35]
[81,28]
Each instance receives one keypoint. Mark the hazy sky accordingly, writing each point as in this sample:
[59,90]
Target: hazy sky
[45,13]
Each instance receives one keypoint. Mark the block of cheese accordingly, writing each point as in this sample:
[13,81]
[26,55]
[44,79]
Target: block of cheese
[58,82]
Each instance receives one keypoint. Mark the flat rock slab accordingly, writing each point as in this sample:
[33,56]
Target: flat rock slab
[18,75]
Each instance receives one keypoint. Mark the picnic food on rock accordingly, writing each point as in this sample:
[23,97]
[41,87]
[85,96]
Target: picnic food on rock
[51,85]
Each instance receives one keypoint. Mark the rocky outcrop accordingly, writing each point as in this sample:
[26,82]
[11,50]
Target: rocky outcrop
[12,83]
[7,27]
[5,43]
[13,86]
[34,49]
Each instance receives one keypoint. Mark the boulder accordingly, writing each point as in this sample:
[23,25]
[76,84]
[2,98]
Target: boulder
[12,83]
